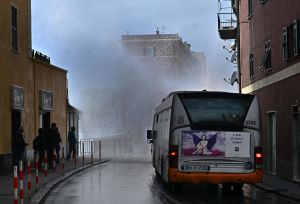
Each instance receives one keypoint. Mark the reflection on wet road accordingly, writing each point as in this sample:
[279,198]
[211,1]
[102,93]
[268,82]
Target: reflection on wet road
[134,182]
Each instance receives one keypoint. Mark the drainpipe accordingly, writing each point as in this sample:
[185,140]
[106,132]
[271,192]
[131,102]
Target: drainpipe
[238,45]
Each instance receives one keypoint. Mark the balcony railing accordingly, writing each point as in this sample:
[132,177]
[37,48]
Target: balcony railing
[227,24]
[40,56]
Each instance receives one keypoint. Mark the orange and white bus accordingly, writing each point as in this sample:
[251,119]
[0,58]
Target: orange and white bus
[207,137]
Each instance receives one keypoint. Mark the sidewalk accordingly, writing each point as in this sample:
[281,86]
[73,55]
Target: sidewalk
[54,177]
[281,187]
[270,183]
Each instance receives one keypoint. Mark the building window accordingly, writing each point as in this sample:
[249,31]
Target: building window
[154,51]
[262,1]
[250,8]
[271,142]
[295,37]
[251,67]
[14,28]
[290,41]
[285,43]
[149,51]
[266,61]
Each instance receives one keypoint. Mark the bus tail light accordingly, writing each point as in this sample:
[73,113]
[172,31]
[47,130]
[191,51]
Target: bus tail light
[173,156]
[258,157]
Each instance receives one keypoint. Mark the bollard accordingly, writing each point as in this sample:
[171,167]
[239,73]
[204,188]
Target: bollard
[45,167]
[75,156]
[99,149]
[21,182]
[54,160]
[92,156]
[83,153]
[36,165]
[63,158]
[28,177]
[75,161]
[15,184]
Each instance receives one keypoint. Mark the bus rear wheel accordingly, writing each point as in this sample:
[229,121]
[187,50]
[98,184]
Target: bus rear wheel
[238,188]
[235,188]
[175,187]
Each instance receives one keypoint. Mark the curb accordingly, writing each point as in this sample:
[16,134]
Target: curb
[268,189]
[42,194]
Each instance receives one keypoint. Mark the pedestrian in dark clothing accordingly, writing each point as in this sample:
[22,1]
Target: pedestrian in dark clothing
[39,145]
[54,141]
[72,143]
[51,143]
[57,144]
[18,146]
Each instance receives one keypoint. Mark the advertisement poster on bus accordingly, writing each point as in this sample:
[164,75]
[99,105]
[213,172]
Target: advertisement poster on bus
[216,144]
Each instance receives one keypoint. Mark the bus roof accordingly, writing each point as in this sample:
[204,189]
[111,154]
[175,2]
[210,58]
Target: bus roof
[168,100]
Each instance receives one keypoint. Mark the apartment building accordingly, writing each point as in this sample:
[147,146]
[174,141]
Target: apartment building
[268,36]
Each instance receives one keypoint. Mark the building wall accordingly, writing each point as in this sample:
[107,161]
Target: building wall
[18,68]
[277,88]
[169,50]
[245,42]
[261,27]
[50,78]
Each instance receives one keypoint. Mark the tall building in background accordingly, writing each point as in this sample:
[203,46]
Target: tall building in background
[164,52]
[268,36]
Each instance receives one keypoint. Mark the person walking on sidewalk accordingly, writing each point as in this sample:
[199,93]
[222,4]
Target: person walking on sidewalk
[18,145]
[72,142]
[39,145]
[57,144]
[55,141]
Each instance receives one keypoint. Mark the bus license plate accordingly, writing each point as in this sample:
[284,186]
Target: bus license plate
[190,167]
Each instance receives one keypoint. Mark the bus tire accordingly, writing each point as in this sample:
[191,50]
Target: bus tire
[162,169]
[212,188]
[226,188]
[238,188]
[175,187]
[157,175]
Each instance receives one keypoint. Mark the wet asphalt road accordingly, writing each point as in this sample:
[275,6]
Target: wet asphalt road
[134,182]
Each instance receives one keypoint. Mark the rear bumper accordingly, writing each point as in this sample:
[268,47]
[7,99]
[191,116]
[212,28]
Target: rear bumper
[176,176]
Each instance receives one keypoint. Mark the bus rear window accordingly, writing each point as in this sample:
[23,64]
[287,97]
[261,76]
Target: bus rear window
[217,110]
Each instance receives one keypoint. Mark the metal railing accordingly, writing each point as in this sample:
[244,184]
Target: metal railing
[89,147]
[40,56]
[227,21]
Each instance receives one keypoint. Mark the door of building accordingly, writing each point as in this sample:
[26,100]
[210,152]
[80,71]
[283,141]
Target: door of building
[15,124]
[296,142]
[271,133]
[45,120]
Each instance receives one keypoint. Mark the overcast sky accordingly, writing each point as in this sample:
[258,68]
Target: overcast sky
[84,36]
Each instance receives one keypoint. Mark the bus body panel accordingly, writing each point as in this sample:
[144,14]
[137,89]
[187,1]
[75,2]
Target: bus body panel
[171,121]
[176,176]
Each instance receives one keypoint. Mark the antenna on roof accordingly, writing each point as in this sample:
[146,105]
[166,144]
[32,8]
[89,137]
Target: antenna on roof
[234,78]
[157,31]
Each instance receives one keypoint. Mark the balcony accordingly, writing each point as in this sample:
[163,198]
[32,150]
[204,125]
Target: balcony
[227,26]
